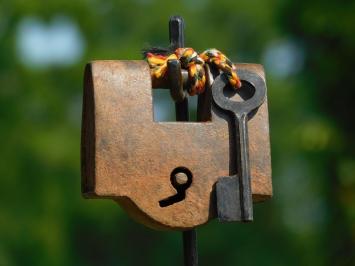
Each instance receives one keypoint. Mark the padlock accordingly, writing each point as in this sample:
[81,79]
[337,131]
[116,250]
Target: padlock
[164,174]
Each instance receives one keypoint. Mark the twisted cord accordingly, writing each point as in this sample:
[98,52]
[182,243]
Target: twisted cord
[194,64]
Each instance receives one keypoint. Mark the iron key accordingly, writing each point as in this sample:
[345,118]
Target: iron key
[234,195]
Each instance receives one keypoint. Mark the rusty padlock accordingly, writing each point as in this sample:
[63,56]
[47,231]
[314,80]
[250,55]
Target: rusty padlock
[130,158]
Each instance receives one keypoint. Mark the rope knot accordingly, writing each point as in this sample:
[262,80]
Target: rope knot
[194,64]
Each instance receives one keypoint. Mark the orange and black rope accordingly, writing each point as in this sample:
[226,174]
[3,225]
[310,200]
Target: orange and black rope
[194,64]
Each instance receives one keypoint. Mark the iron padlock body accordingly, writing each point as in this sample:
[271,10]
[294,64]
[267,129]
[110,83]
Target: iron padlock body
[129,157]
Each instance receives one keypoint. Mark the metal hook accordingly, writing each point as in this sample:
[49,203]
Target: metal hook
[176,81]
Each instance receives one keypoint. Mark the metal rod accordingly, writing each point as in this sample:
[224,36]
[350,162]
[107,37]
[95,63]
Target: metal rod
[190,247]
[176,36]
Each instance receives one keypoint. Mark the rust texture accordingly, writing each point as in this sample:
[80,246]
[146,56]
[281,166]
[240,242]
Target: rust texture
[128,157]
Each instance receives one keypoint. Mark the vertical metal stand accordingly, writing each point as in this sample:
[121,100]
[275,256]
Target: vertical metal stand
[190,248]
[176,36]
[177,40]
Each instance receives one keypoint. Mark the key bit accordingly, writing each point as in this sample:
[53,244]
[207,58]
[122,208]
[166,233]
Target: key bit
[234,196]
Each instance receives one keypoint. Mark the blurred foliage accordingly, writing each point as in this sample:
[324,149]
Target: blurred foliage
[311,219]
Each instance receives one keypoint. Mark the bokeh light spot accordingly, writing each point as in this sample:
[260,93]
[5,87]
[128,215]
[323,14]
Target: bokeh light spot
[283,58]
[39,45]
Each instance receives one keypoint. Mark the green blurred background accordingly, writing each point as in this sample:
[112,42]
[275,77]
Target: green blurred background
[307,48]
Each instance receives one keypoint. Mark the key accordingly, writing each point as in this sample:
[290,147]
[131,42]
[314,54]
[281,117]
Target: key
[234,197]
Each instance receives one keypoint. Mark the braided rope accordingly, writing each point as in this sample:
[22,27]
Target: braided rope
[194,64]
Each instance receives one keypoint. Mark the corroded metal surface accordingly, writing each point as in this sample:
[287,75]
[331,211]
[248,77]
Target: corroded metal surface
[128,157]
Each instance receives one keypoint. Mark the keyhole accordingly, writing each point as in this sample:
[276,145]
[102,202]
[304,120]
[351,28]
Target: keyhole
[181,179]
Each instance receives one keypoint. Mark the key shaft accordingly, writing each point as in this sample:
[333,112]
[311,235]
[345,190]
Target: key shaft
[243,166]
